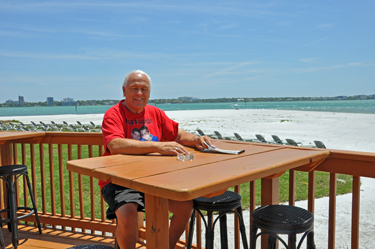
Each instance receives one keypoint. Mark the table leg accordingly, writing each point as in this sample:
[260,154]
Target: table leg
[157,222]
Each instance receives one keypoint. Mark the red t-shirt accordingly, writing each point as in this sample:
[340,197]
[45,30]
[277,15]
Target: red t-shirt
[152,124]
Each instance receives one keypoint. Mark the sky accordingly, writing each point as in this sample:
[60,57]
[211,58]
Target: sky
[202,49]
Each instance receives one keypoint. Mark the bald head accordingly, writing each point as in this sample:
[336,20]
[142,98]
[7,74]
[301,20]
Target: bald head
[125,82]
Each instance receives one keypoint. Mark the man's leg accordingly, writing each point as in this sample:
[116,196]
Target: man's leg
[181,214]
[127,226]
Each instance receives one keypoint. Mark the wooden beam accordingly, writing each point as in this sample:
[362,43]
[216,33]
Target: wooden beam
[157,222]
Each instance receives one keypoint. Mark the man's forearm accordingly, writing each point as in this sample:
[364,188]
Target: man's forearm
[131,146]
[186,138]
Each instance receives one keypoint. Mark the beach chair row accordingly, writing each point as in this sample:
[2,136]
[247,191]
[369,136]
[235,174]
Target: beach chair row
[261,139]
[41,126]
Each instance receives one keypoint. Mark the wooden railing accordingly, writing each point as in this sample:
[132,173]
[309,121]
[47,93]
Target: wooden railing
[72,202]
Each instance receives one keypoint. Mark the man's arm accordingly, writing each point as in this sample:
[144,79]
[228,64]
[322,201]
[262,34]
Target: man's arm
[191,140]
[135,147]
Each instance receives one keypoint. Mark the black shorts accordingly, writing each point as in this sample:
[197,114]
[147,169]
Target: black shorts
[116,196]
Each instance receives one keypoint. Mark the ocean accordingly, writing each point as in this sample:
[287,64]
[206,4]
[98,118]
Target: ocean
[348,106]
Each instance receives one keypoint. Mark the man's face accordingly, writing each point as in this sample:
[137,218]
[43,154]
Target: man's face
[136,92]
[136,135]
[145,134]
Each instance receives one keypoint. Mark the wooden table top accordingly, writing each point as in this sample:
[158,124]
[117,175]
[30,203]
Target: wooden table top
[166,177]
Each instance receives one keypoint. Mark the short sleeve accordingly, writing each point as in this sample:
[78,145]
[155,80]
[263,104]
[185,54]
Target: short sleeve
[113,126]
[169,127]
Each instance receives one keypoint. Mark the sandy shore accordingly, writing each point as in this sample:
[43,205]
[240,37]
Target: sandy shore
[344,131]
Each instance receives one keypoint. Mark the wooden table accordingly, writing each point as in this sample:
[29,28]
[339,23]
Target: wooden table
[163,177]
[8,137]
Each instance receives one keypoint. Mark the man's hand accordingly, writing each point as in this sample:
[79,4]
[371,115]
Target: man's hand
[200,142]
[171,148]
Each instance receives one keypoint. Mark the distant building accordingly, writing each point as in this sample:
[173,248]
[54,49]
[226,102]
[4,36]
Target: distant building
[50,101]
[109,102]
[190,99]
[68,101]
[362,96]
[21,101]
[342,97]
[9,101]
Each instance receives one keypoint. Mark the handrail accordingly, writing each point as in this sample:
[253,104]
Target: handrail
[60,194]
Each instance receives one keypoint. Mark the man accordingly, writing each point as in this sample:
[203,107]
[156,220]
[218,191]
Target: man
[118,124]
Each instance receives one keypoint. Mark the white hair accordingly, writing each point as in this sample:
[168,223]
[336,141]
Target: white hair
[138,72]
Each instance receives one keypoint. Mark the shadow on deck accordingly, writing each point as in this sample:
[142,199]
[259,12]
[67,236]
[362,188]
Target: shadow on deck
[30,239]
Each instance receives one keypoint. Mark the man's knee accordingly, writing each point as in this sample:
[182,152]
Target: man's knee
[127,214]
[181,207]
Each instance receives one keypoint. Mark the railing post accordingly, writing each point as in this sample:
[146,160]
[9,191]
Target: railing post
[332,210]
[6,154]
[355,211]
[269,196]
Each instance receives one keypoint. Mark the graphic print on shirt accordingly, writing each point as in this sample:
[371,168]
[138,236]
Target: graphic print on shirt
[146,135]
[142,133]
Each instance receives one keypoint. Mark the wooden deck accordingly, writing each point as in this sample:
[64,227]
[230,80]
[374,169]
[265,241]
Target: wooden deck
[30,239]
[67,199]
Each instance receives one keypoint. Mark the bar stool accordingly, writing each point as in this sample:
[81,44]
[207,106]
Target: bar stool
[10,174]
[229,202]
[282,219]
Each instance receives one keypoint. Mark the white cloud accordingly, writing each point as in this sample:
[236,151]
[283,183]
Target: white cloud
[325,26]
[308,59]
[316,41]
[229,26]
[333,67]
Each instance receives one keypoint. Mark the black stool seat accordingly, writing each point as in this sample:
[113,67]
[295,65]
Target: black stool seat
[9,170]
[10,174]
[228,202]
[282,219]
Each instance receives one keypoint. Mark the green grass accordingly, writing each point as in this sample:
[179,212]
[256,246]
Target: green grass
[344,183]
[56,174]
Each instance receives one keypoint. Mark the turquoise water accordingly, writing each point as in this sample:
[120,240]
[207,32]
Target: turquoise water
[349,106]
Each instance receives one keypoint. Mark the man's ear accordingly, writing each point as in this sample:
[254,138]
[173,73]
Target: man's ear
[123,91]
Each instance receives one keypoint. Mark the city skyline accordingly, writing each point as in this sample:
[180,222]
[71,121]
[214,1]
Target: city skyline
[71,101]
[83,49]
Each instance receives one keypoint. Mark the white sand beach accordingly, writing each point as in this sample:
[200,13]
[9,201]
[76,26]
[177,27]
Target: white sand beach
[346,131]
